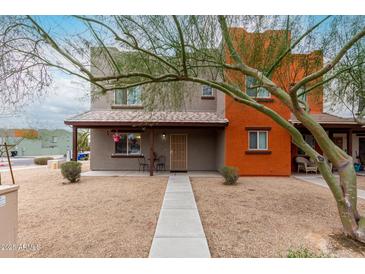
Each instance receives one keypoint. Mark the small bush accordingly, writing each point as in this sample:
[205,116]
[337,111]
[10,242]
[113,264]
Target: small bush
[42,160]
[303,253]
[230,175]
[71,171]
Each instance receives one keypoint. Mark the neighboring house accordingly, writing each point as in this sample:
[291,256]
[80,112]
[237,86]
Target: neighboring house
[211,129]
[47,142]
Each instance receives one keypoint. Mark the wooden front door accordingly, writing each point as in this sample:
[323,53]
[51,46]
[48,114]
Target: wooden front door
[178,152]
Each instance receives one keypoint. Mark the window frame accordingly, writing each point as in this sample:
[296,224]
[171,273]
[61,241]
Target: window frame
[257,89]
[211,89]
[127,143]
[127,91]
[257,140]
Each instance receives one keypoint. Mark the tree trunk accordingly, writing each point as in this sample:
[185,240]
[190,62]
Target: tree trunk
[353,223]
[344,190]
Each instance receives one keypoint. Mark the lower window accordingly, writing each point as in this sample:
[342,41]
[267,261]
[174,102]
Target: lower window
[258,140]
[129,144]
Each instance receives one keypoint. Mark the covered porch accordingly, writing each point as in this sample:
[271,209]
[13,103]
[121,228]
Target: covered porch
[138,141]
[131,173]
[346,133]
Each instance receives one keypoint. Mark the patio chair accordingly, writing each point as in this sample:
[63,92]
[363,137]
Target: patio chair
[306,165]
[142,164]
[161,163]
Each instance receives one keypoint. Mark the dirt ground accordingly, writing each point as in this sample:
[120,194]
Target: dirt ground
[267,216]
[97,217]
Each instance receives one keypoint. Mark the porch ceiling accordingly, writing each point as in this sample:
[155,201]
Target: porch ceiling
[104,118]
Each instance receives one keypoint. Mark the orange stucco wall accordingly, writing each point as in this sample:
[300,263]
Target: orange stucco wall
[277,161]
[302,65]
[240,117]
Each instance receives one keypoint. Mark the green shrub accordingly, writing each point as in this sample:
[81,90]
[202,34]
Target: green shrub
[230,175]
[42,160]
[303,253]
[71,171]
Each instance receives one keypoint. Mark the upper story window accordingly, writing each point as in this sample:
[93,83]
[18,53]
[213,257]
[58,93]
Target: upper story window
[54,139]
[258,140]
[256,92]
[129,144]
[128,97]
[207,91]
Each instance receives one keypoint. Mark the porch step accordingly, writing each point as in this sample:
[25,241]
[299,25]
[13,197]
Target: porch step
[179,232]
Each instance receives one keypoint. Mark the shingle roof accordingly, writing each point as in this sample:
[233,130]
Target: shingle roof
[326,118]
[137,118]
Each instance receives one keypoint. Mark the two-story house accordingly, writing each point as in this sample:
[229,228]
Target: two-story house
[210,129]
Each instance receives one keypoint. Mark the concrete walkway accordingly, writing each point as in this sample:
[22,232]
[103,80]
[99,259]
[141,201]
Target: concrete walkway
[318,180]
[179,232]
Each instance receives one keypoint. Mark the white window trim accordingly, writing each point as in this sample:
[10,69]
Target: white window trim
[127,153]
[257,140]
[257,97]
[115,99]
[211,95]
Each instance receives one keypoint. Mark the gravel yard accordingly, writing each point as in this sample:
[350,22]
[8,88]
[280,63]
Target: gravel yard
[97,217]
[267,216]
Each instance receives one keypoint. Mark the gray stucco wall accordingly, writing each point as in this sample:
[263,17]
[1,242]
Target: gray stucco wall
[202,145]
[205,145]
[220,148]
[192,91]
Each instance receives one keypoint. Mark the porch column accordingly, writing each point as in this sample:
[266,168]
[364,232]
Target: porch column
[74,143]
[152,160]
[349,142]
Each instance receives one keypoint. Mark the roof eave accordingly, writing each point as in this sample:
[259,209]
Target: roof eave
[143,124]
[327,123]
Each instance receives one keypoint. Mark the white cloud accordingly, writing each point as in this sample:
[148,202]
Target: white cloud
[66,97]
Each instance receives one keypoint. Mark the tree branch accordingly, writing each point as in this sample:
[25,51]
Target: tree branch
[55,46]
[182,43]
[136,47]
[330,66]
[292,46]
[328,79]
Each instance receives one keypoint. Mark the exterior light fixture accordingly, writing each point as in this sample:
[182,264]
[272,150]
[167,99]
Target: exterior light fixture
[163,136]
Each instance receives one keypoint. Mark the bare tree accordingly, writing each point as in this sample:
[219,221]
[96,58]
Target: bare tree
[172,49]
[346,82]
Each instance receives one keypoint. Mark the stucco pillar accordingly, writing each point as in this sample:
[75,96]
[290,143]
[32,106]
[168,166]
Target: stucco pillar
[74,143]
[349,142]
[152,158]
